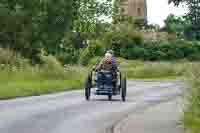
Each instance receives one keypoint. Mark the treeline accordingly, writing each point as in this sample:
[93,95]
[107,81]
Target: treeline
[29,27]
[49,27]
[72,32]
[129,44]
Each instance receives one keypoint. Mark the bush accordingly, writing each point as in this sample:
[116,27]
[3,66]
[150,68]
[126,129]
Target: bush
[10,59]
[94,61]
[85,56]
[121,38]
[69,56]
[162,50]
[96,48]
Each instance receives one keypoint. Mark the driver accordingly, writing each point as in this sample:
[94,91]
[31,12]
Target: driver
[107,63]
[113,58]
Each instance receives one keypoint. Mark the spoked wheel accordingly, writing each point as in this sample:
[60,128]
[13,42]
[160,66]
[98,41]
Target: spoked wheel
[110,97]
[88,86]
[123,89]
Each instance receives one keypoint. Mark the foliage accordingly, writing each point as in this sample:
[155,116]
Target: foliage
[95,48]
[85,57]
[153,70]
[29,26]
[69,55]
[87,13]
[174,24]
[130,45]
[121,36]
[192,107]
[44,79]
[10,58]
[193,16]
[176,2]
[116,14]
[152,27]
[40,79]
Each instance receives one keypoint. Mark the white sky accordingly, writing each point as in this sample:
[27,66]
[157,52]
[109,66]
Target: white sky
[158,10]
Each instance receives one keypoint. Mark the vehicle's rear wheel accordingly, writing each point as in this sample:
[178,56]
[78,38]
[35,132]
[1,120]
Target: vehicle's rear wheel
[88,86]
[123,89]
[110,97]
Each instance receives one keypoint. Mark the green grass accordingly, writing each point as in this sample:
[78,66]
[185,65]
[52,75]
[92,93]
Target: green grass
[52,77]
[30,88]
[191,117]
[153,70]
[37,81]
[192,122]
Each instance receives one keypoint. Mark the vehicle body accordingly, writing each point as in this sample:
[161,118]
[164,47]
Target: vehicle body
[105,83]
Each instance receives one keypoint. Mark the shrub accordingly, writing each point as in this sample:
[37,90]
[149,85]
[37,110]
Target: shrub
[162,50]
[96,48]
[69,56]
[85,56]
[7,56]
[10,60]
[95,60]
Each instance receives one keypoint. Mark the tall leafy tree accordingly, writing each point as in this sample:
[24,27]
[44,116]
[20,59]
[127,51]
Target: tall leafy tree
[174,24]
[116,14]
[29,26]
[193,16]
[88,12]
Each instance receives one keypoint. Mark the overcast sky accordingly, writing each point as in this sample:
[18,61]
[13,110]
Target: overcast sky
[158,10]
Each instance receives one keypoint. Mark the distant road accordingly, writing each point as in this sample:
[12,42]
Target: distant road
[70,113]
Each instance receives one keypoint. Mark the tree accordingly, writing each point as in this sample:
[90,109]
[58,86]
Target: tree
[88,12]
[174,24]
[176,2]
[29,26]
[116,11]
[193,16]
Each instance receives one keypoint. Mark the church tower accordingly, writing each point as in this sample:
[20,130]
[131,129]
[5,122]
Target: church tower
[134,8]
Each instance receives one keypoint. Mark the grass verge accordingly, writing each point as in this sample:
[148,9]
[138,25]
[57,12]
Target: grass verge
[153,70]
[52,77]
[38,81]
[191,117]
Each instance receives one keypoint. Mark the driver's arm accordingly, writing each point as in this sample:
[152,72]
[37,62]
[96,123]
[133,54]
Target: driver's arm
[115,64]
[99,66]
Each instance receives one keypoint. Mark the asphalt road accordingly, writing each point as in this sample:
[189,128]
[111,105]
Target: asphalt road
[70,113]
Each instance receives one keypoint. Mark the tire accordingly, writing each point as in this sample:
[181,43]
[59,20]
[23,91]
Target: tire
[123,90]
[110,97]
[88,85]
[87,94]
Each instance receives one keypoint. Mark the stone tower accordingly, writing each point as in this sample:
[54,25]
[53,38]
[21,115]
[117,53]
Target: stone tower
[134,8]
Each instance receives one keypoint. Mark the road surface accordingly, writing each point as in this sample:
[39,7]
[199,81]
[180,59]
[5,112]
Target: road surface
[69,112]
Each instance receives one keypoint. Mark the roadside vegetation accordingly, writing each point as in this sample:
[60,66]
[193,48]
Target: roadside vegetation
[191,117]
[20,78]
[154,70]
